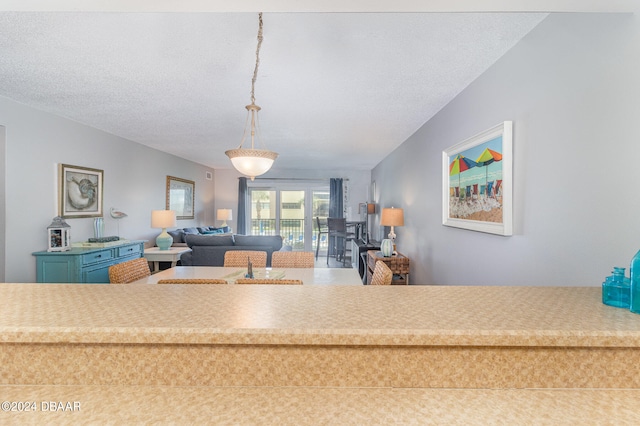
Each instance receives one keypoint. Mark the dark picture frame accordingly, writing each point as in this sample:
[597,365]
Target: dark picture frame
[80,191]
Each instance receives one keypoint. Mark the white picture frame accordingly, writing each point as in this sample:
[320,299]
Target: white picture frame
[477,193]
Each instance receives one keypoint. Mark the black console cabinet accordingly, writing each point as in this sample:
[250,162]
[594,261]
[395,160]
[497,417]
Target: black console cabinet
[358,249]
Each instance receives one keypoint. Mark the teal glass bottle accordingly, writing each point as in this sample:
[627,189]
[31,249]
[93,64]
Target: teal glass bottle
[616,289]
[634,303]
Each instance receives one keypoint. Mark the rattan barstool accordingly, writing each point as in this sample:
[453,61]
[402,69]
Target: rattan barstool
[129,271]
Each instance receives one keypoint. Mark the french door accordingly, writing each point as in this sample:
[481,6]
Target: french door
[289,209]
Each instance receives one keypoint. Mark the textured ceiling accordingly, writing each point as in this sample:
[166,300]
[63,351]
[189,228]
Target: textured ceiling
[337,90]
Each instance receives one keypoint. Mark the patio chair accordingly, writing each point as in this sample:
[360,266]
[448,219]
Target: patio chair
[490,189]
[322,232]
[337,227]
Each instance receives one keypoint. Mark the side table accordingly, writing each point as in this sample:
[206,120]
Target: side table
[155,255]
[399,265]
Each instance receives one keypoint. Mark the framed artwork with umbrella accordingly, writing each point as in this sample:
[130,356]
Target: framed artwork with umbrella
[477,182]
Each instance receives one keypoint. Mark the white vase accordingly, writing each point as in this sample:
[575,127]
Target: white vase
[386,247]
[98,227]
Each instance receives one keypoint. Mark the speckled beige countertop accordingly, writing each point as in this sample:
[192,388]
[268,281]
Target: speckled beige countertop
[121,405]
[323,315]
[317,355]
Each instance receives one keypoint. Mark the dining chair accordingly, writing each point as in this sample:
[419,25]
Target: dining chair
[337,228]
[292,259]
[193,281]
[129,271]
[323,232]
[266,281]
[382,275]
[239,258]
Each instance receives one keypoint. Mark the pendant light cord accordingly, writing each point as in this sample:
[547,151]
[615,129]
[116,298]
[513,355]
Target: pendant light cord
[252,162]
[255,71]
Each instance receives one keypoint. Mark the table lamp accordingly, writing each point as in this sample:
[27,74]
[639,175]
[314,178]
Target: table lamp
[163,219]
[224,215]
[392,217]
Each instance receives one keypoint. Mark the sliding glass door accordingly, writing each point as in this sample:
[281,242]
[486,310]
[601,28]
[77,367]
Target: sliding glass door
[289,209]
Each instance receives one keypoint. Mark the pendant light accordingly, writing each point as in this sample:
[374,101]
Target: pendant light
[252,162]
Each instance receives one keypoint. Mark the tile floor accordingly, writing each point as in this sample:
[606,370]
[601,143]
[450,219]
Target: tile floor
[321,262]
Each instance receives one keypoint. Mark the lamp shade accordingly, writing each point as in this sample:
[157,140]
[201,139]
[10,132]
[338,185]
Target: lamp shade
[251,162]
[392,217]
[224,214]
[371,208]
[163,218]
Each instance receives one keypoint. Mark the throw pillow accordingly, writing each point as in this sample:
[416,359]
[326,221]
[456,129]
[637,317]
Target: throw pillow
[177,235]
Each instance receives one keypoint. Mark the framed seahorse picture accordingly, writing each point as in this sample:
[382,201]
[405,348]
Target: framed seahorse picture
[79,191]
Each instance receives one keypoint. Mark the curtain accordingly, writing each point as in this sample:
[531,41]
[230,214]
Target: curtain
[242,206]
[335,207]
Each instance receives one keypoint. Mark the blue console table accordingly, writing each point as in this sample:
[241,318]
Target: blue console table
[84,265]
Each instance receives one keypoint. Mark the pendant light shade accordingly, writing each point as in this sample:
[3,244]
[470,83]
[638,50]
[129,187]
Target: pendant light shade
[252,162]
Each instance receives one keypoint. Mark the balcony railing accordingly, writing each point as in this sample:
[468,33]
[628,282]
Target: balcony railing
[291,230]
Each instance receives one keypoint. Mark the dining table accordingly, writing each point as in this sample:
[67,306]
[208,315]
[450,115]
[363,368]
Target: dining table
[311,276]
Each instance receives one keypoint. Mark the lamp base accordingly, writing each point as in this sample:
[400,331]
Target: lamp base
[164,240]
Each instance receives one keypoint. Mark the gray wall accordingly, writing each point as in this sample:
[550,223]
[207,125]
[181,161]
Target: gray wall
[134,182]
[572,89]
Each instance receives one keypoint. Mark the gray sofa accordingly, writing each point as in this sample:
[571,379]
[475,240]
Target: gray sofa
[209,250]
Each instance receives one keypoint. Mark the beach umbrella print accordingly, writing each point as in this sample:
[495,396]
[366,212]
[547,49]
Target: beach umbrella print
[487,157]
[459,165]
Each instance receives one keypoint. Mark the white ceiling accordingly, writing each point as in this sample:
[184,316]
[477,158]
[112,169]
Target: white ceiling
[337,90]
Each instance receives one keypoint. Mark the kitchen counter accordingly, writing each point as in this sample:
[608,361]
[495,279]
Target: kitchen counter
[458,342]
[301,406]
[331,315]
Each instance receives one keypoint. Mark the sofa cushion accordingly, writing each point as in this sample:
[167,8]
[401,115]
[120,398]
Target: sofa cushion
[273,241]
[207,255]
[208,240]
[191,231]
[177,235]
